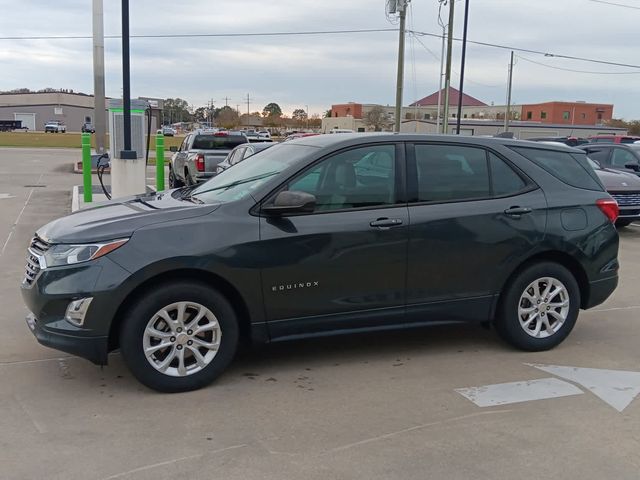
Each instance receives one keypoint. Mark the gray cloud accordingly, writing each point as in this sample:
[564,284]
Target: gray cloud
[321,70]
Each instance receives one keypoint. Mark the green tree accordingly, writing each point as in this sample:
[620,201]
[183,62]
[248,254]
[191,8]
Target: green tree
[176,110]
[327,114]
[227,117]
[272,110]
[300,116]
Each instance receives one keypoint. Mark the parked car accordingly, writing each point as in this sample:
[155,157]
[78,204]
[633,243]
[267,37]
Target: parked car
[168,131]
[55,126]
[88,128]
[613,139]
[296,135]
[199,155]
[570,141]
[325,235]
[615,156]
[264,134]
[240,153]
[624,188]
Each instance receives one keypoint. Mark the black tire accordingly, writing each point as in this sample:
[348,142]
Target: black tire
[623,223]
[173,181]
[507,321]
[145,308]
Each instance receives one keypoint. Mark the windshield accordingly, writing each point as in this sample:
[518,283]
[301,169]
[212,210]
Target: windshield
[242,179]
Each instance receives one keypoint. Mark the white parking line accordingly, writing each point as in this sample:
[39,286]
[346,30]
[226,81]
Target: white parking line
[15,224]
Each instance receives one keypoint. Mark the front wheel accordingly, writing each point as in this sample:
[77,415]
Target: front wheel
[539,308]
[179,337]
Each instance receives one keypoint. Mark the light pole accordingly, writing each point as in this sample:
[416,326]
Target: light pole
[127,153]
[307,119]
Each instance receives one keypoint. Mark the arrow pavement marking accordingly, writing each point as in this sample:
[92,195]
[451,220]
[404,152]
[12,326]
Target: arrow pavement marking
[618,388]
[6,195]
[516,392]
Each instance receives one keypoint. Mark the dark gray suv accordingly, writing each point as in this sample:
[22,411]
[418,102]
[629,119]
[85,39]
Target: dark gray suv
[325,235]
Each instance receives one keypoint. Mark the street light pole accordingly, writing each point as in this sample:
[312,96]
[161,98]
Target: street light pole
[507,114]
[127,153]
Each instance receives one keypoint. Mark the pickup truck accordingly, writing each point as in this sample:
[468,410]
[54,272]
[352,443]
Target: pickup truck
[55,126]
[199,155]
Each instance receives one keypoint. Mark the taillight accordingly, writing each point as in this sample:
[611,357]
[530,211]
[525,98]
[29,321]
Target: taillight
[221,134]
[609,207]
[200,163]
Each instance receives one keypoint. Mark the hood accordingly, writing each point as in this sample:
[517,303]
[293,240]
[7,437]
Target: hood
[120,218]
[618,181]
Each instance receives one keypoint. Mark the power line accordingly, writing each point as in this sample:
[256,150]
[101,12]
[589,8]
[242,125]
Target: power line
[320,32]
[527,50]
[615,4]
[207,35]
[576,71]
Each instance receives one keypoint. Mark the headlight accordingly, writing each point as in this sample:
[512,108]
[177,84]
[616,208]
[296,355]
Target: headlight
[63,254]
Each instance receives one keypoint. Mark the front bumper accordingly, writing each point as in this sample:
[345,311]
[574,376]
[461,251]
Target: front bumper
[94,349]
[54,288]
[629,213]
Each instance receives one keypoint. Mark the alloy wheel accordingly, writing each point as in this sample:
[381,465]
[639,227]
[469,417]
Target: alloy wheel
[543,307]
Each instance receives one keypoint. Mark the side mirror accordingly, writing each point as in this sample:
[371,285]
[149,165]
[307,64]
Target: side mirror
[291,202]
[632,166]
[173,149]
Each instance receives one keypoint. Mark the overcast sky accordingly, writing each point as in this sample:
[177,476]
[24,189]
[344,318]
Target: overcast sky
[318,70]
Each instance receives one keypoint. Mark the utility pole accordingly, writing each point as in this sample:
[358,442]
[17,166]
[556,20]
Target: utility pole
[248,114]
[402,8]
[226,101]
[447,75]
[99,106]
[438,114]
[507,114]
[462,64]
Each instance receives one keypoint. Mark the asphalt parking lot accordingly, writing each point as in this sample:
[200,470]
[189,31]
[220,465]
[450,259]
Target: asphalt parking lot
[376,406]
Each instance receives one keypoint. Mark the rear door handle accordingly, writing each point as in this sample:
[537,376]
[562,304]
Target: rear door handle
[517,211]
[386,223]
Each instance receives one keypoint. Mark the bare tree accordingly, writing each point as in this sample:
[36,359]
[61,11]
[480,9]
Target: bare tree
[377,119]
[228,118]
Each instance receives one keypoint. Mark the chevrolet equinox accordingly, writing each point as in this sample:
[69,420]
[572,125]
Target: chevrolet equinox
[326,235]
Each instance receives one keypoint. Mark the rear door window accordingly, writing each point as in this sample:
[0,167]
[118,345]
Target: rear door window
[448,173]
[622,157]
[572,169]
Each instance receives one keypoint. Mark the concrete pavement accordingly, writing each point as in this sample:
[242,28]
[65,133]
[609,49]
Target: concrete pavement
[376,406]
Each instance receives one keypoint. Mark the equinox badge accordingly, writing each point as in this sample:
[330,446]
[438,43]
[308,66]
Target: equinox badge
[294,286]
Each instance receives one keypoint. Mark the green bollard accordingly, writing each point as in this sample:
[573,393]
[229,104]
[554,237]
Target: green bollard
[159,162]
[86,168]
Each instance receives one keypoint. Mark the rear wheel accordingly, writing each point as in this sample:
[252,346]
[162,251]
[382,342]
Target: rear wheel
[539,308]
[179,337]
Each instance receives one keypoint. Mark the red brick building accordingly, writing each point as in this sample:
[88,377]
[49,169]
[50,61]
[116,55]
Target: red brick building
[570,113]
[350,109]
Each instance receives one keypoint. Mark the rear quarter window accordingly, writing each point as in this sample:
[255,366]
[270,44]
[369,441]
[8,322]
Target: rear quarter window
[570,168]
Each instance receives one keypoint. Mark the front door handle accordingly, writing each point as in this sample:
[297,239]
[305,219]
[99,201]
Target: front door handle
[517,211]
[386,223]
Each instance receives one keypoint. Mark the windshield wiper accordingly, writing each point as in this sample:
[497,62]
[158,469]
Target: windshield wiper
[237,182]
